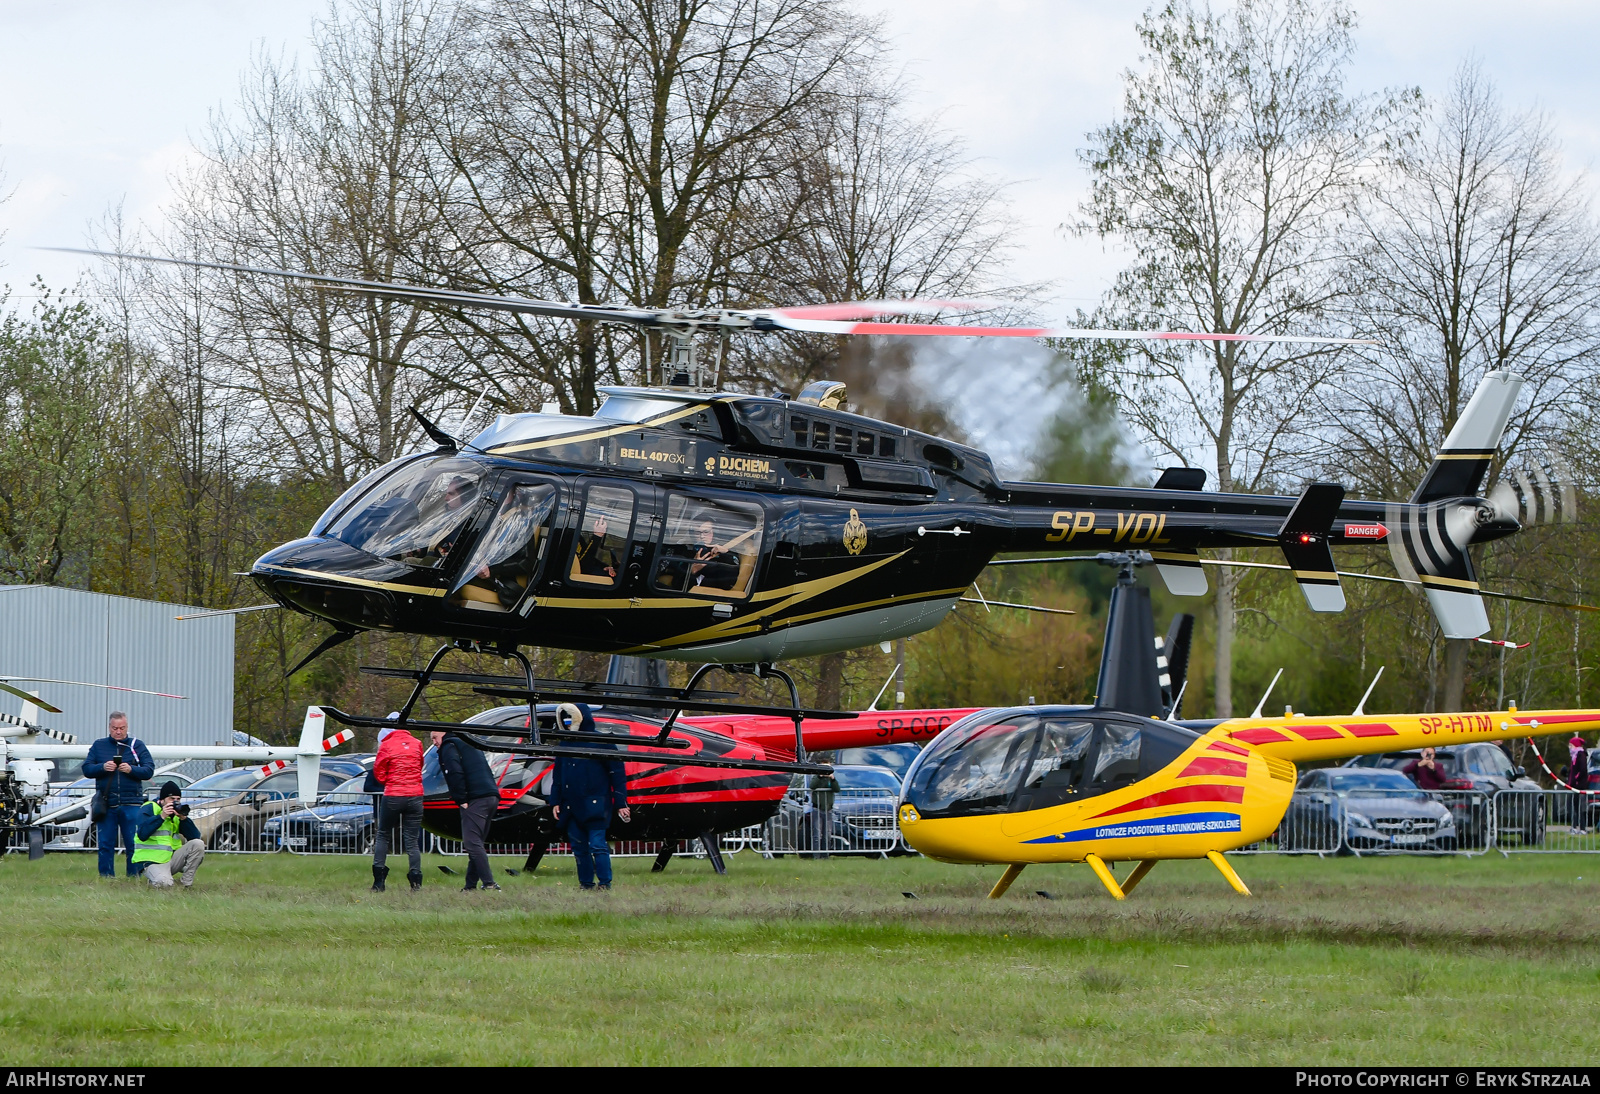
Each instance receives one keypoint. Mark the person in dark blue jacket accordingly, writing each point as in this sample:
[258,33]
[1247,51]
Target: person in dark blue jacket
[119,765]
[584,793]
[473,787]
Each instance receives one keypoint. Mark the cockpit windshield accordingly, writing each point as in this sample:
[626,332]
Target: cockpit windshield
[415,515]
[1015,761]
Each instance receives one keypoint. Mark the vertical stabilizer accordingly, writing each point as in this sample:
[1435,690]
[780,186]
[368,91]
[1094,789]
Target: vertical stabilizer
[308,753]
[1459,467]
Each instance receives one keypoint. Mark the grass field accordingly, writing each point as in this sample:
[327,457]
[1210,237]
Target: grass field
[279,959]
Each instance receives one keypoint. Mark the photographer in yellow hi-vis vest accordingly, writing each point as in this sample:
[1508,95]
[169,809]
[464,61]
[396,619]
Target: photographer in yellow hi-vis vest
[168,840]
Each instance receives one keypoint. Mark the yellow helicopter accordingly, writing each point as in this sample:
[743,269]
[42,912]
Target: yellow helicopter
[1120,782]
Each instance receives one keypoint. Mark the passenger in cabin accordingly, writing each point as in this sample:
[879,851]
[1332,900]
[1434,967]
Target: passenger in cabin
[595,557]
[715,567]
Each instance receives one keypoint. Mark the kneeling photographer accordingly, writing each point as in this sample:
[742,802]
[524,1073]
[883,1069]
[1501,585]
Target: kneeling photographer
[168,840]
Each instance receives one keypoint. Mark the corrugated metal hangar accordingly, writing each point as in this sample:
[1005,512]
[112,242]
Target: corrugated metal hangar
[67,634]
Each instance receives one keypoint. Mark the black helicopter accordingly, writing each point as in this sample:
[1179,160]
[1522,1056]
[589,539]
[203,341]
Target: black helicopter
[687,523]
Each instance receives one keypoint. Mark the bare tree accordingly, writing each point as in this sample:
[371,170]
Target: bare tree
[324,173]
[1479,254]
[650,152]
[1227,173]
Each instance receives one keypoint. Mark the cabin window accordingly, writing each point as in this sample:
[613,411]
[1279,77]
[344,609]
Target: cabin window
[863,443]
[503,562]
[710,548]
[801,427]
[415,515]
[1116,762]
[886,447]
[1056,773]
[602,544]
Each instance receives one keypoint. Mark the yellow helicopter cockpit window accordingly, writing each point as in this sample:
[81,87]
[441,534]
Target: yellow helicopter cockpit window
[710,547]
[1032,761]
[503,562]
[973,770]
[416,514]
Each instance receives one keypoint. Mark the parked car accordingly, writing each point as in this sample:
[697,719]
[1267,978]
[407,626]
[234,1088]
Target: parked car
[1380,809]
[341,821]
[1485,768]
[896,757]
[230,807]
[862,817]
[73,830]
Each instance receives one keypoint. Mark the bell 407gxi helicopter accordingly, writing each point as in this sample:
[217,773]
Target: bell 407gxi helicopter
[688,523]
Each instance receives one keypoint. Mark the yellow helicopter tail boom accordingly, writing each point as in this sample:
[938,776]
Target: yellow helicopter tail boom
[1300,738]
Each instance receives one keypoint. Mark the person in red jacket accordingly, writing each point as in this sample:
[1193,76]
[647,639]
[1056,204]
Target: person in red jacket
[399,768]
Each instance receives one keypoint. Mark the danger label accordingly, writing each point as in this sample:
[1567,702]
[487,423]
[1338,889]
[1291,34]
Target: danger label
[1365,531]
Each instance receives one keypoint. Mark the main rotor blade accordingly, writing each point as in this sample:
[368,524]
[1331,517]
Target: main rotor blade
[555,309]
[815,318]
[85,684]
[1408,581]
[34,699]
[228,611]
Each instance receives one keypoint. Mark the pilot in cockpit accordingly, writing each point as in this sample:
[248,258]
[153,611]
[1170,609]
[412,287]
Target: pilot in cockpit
[457,496]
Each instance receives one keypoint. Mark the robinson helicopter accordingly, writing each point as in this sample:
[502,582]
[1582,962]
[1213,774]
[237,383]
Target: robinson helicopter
[688,523]
[1122,780]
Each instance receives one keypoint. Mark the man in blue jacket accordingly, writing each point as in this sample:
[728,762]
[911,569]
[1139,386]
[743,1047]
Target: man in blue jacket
[583,794]
[119,765]
[473,787]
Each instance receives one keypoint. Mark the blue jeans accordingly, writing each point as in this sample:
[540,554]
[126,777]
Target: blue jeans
[121,818]
[591,851]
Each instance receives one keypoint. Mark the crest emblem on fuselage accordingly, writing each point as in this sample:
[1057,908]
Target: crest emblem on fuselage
[855,534]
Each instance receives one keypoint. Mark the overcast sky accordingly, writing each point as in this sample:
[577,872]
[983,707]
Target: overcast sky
[100,100]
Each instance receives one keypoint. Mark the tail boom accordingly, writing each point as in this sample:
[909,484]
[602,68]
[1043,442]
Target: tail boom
[1301,739]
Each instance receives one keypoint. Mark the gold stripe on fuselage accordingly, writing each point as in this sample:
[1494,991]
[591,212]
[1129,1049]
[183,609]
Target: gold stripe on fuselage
[797,593]
[598,434]
[341,579]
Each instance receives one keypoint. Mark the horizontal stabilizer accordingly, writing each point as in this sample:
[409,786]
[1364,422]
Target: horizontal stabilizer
[1304,540]
[1181,572]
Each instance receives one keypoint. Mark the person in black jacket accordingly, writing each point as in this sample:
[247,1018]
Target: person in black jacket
[119,765]
[473,787]
[583,794]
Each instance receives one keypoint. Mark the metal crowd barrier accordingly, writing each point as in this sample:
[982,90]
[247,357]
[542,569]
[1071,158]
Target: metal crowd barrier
[1436,822]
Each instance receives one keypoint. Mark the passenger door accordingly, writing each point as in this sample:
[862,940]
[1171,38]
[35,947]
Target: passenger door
[504,562]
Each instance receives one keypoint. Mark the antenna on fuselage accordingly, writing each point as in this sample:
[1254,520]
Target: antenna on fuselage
[1256,713]
[1361,707]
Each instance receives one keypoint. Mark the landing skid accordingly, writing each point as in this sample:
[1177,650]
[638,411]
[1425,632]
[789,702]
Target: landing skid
[709,841]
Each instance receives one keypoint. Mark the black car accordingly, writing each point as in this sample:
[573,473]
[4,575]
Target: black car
[340,821]
[1485,768]
[1339,808]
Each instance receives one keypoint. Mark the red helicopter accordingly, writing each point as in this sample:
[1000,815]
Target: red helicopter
[671,803]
